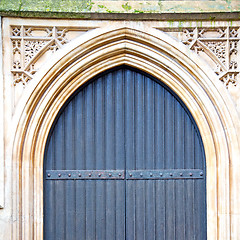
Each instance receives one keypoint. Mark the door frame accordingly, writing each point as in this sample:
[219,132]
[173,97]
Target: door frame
[159,55]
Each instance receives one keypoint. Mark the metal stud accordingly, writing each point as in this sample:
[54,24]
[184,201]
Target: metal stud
[171,174]
[130,174]
[110,174]
[89,174]
[99,174]
[69,174]
[141,174]
[151,174]
[201,173]
[181,174]
[79,175]
[49,175]
[161,174]
[59,174]
[119,174]
[190,174]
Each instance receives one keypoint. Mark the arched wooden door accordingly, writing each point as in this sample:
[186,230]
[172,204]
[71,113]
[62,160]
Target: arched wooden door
[124,160]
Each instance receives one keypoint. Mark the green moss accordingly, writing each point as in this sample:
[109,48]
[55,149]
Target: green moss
[47,5]
[199,24]
[137,11]
[126,7]
[160,5]
[170,23]
[180,25]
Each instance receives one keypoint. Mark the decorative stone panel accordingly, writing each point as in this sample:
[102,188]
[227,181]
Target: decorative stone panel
[32,43]
[218,45]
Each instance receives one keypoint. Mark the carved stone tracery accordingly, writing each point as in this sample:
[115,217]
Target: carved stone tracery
[221,45]
[218,48]
[32,48]
[29,43]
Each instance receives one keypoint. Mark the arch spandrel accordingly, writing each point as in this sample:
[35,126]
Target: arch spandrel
[164,58]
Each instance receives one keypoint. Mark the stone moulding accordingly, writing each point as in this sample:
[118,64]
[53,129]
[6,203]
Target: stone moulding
[166,59]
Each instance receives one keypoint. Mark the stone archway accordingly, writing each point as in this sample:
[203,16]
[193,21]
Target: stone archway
[157,54]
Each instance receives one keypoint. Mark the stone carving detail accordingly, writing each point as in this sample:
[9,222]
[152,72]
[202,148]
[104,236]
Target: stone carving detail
[221,45]
[21,77]
[32,48]
[218,48]
[233,47]
[233,33]
[30,43]
[16,46]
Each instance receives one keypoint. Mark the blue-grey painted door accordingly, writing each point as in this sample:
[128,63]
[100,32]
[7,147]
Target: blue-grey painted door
[124,160]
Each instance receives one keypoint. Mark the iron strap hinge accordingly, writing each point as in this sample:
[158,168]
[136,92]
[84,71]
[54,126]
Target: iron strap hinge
[165,174]
[84,174]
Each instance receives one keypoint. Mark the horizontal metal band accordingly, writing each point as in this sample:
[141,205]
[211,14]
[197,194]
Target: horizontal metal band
[165,174]
[120,174]
[84,174]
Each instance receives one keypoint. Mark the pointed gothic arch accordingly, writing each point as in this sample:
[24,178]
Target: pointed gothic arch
[157,54]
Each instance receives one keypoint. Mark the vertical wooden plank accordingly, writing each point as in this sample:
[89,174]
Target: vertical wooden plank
[140,209]
[81,209]
[189,233]
[69,160]
[197,210]
[60,210]
[140,123]
[100,210]
[57,162]
[90,209]
[120,210]
[79,131]
[170,210]
[70,209]
[69,129]
[169,131]
[89,127]
[150,210]
[109,121]
[119,120]
[110,210]
[160,210]
[159,126]
[198,152]
[129,120]
[179,136]
[199,205]
[180,210]
[149,124]
[99,124]
[188,143]
[130,209]
[49,220]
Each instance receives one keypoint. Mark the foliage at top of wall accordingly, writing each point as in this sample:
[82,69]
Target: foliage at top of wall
[122,6]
